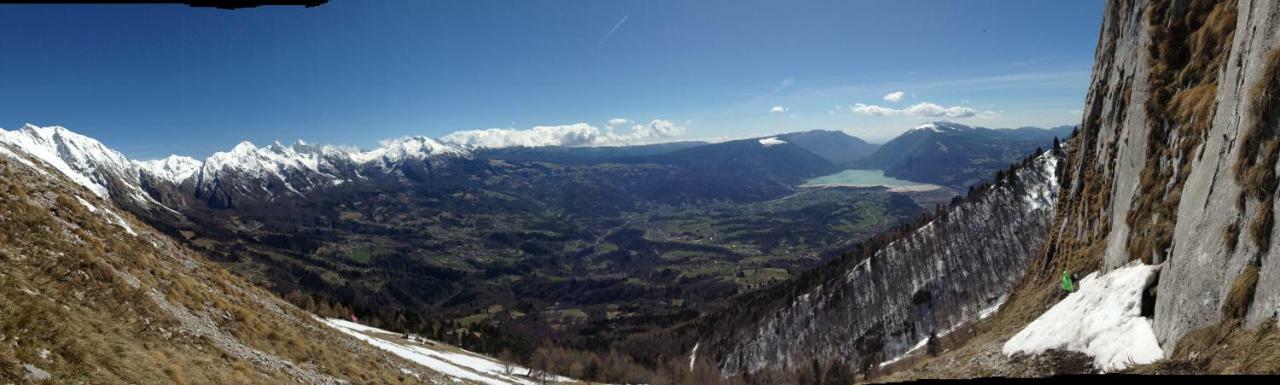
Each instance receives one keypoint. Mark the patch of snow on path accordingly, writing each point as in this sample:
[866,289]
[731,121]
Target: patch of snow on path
[458,363]
[1103,320]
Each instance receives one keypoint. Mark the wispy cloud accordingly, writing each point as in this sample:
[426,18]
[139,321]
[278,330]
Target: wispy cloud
[894,96]
[570,135]
[777,110]
[1029,80]
[611,31]
[923,110]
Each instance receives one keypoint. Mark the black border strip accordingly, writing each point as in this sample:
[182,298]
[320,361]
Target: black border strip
[1096,379]
[221,4]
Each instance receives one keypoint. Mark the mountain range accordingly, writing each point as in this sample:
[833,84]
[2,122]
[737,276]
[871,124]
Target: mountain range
[578,245]
[957,155]
[1141,242]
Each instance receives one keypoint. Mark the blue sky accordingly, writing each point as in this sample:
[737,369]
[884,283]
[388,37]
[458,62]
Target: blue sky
[154,80]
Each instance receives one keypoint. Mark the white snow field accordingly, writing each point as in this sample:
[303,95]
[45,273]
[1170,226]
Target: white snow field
[446,359]
[1102,319]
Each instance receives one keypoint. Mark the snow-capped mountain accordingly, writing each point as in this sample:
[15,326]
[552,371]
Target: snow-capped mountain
[942,126]
[174,168]
[105,172]
[246,172]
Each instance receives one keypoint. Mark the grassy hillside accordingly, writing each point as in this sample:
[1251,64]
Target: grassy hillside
[88,294]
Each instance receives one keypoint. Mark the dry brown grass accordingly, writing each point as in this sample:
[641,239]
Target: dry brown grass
[1222,348]
[1231,235]
[1236,305]
[1189,47]
[1260,149]
[64,308]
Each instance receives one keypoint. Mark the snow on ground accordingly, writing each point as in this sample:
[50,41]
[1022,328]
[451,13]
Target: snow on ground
[1042,195]
[982,314]
[770,142]
[20,159]
[122,223]
[693,355]
[42,143]
[87,205]
[448,360]
[988,311]
[1102,319]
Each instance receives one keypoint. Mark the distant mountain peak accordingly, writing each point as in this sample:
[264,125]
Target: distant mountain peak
[80,158]
[942,126]
[174,168]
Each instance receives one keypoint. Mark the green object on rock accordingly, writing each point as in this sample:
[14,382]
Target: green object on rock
[1068,284]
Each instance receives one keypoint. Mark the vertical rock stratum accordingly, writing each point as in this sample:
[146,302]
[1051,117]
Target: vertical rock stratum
[1176,160]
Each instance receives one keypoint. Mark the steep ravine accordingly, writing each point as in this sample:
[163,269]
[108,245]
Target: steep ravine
[949,271]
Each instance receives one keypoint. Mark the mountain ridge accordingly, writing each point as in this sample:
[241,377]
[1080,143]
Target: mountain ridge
[954,154]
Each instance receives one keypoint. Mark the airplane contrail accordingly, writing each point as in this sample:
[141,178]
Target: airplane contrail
[615,28]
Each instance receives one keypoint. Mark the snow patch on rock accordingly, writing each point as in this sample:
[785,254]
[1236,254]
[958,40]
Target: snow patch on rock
[1102,319]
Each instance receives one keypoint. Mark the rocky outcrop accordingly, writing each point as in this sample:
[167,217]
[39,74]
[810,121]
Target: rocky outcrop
[1203,263]
[1176,159]
[951,270]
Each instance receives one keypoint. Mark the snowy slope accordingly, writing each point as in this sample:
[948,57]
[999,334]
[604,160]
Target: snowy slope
[446,359]
[1101,319]
[174,168]
[292,169]
[78,157]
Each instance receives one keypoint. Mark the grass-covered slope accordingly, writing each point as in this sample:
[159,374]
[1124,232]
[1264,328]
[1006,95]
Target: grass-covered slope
[90,295]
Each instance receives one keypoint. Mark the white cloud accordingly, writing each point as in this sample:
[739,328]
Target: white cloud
[873,110]
[924,109]
[572,135]
[580,134]
[777,110]
[654,131]
[894,96]
[988,115]
[619,122]
[931,110]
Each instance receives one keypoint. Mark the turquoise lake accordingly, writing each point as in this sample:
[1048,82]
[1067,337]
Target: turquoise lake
[864,178]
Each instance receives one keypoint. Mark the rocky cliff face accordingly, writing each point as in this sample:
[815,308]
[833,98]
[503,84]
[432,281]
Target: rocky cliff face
[1177,157]
[951,270]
